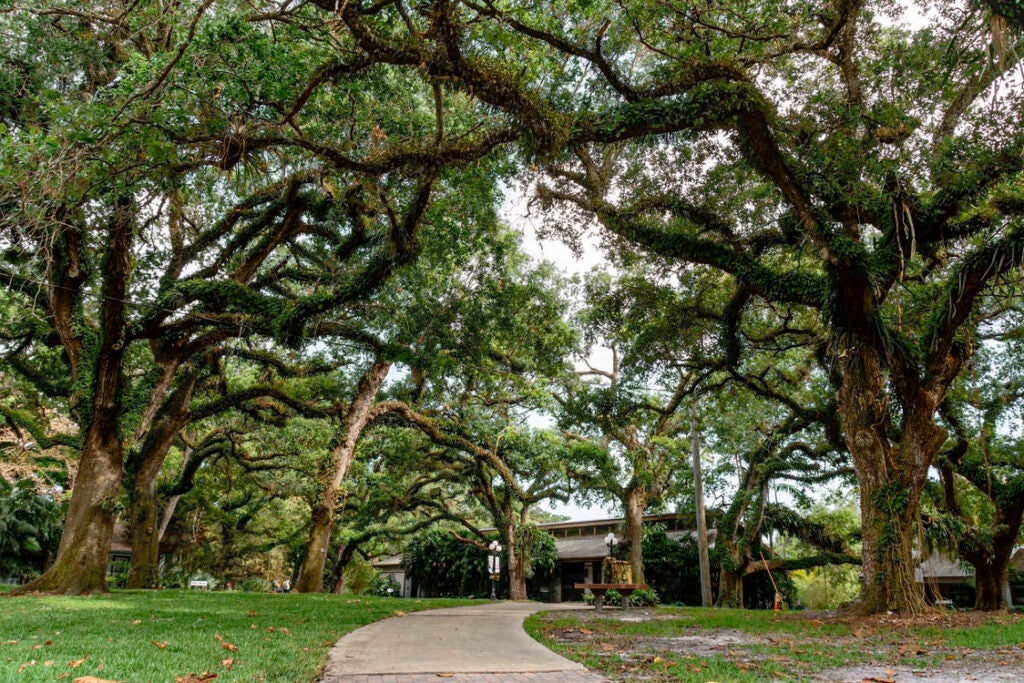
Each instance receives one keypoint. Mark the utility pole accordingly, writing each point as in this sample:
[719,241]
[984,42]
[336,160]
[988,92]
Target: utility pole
[702,525]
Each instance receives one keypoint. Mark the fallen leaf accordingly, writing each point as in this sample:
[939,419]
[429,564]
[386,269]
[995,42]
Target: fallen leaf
[445,675]
[93,679]
[14,642]
[227,663]
[399,613]
[195,678]
[159,645]
[254,626]
[657,660]
[49,642]
[252,613]
[136,622]
[588,632]
[878,679]
[607,647]
[217,637]
[49,662]
[26,665]
[230,647]
[288,633]
[78,662]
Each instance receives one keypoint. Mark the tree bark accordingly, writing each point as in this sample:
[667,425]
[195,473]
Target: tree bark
[990,581]
[143,505]
[84,553]
[345,554]
[516,565]
[891,478]
[311,574]
[992,565]
[635,503]
[730,588]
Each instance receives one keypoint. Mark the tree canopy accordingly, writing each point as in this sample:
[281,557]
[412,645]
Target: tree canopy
[824,199]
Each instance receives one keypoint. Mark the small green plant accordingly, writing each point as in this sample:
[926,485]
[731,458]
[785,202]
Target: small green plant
[645,597]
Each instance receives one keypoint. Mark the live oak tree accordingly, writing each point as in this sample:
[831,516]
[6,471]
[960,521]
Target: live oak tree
[473,393]
[416,315]
[202,181]
[399,484]
[819,157]
[633,408]
[815,154]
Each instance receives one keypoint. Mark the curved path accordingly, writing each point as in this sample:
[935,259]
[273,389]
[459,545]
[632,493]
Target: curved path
[478,644]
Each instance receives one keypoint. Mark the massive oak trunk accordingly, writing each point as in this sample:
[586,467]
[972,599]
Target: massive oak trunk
[84,552]
[892,475]
[311,574]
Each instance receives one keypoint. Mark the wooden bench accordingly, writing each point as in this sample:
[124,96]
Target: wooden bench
[599,589]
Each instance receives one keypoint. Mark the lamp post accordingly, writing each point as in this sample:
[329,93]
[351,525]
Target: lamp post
[611,540]
[494,566]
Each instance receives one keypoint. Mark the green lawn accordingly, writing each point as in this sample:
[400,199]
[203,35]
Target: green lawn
[156,636]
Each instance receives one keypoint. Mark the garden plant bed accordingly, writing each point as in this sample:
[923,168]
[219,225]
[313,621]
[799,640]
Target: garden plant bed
[684,644]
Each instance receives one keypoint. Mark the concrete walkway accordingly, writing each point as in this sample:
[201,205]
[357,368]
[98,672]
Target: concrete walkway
[478,644]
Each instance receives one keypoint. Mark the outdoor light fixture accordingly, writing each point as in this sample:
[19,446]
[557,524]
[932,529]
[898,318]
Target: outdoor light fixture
[611,540]
[494,566]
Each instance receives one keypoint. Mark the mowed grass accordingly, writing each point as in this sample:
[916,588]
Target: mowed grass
[169,635]
[741,646]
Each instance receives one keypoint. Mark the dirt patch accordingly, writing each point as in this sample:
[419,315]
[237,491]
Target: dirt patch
[880,649]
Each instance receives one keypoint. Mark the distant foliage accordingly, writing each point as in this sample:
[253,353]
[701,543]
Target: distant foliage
[672,568]
[30,526]
[440,566]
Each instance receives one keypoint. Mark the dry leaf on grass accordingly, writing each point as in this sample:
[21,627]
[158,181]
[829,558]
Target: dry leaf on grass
[159,645]
[78,662]
[227,663]
[93,679]
[230,647]
[195,678]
